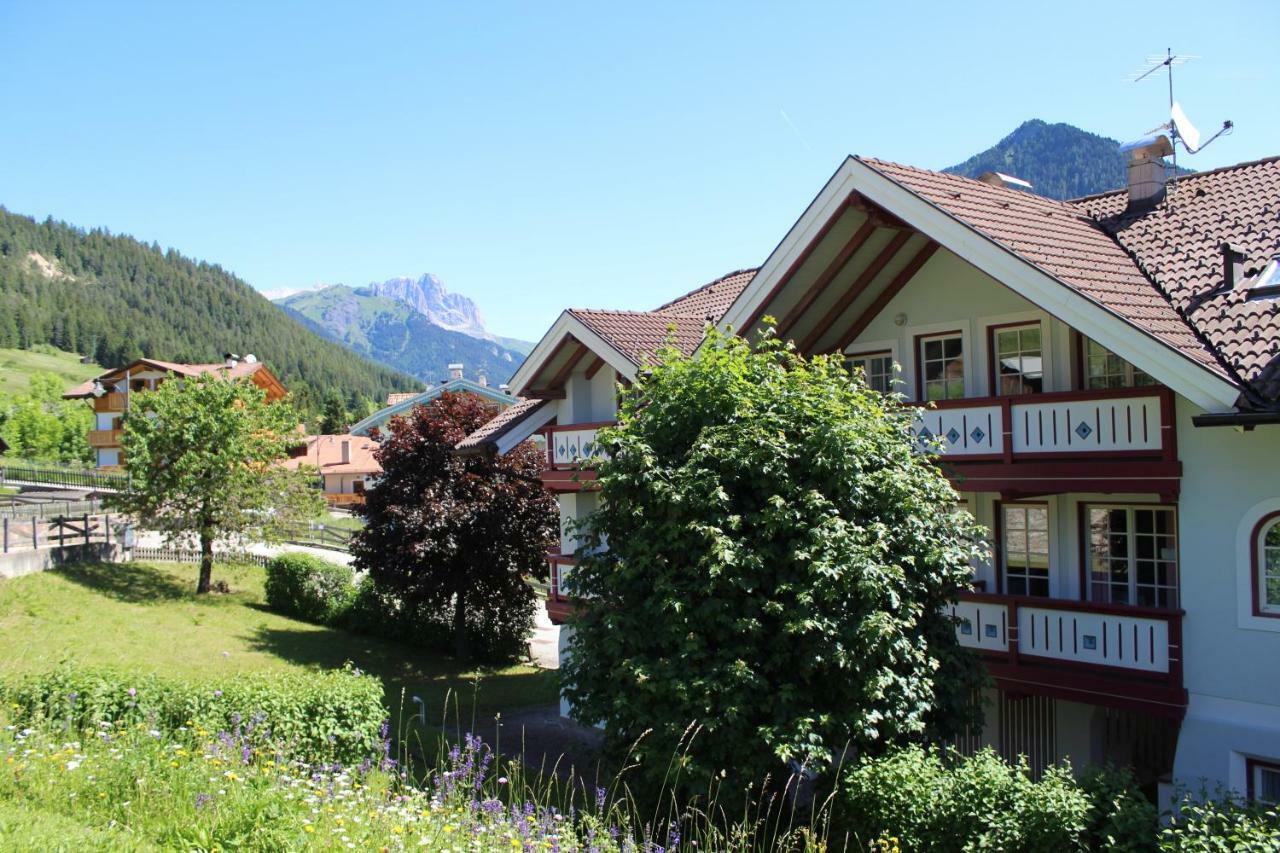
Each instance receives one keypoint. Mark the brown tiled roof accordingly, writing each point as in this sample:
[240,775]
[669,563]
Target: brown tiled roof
[1064,241]
[503,421]
[240,370]
[400,396]
[1178,246]
[325,452]
[638,334]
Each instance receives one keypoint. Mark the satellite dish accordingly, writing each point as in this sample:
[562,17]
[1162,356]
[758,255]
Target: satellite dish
[1184,128]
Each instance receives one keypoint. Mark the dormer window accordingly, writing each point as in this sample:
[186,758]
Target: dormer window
[1104,369]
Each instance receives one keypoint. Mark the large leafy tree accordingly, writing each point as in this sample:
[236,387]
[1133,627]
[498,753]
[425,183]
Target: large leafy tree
[40,425]
[779,554]
[203,459]
[458,534]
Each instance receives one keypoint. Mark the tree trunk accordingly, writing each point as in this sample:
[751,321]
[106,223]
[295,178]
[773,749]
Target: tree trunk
[206,562]
[461,642]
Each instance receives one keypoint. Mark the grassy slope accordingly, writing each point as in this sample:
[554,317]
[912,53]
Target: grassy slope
[17,365]
[146,617]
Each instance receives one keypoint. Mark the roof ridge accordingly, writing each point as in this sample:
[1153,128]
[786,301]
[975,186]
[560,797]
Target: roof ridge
[709,284]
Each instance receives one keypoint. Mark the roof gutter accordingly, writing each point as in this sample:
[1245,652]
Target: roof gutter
[1247,420]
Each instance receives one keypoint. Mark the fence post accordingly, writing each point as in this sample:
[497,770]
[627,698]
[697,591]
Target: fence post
[108,530]
[86,528]
[35,533]
[6,536]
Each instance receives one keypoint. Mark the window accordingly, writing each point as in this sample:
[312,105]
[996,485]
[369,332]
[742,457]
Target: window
[1133,555]
[1264,782]
[1025,532]
[877,368]
[1017,359]
[1266,599]
[1105,369]
[941,367]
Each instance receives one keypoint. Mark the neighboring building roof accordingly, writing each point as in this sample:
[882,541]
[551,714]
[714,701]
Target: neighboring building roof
[1178,246]
[503,423]
[400,397]
[325,452]
[638,334]
[1063,241]
[403,406]
[239,370]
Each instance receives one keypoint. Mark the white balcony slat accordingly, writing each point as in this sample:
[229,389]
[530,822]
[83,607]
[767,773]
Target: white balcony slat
[1129,642]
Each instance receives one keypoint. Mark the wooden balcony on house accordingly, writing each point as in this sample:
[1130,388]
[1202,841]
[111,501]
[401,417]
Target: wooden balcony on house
[1108,441]
[110,402]
[574,445]
[559,604]
[105,437]
[1105,654]
[344,498]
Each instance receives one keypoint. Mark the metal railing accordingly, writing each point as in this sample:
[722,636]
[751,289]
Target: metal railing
[18,509]
[44,473]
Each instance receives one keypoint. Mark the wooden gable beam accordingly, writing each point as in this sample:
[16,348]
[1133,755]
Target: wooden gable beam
[899,281]
[795,266]
[823,281]
[595,366]
[563,373]
[855,290]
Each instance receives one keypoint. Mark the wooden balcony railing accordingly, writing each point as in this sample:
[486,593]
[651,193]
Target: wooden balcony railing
[110,402]
[1084,648]
[1130,422]
[559,604]
[105,437]
[574,445]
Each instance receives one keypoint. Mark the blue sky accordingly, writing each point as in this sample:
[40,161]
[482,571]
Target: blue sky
[540,156]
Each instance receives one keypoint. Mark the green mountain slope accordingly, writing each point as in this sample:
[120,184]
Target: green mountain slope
[393,333]
[17,366]
[114,298]
[1059,160]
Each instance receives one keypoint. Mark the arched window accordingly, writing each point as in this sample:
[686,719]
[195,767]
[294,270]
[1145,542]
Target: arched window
[1266,566]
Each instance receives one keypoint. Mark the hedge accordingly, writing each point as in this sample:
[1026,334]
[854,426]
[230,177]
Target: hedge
[309,588]
[327,716]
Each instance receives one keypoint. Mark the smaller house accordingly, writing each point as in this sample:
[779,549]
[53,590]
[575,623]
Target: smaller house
[110,393]
[403,403]
[345,463]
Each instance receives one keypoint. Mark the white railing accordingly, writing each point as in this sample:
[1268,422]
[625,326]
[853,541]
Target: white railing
[1133,420]
[574,444]
[982,625]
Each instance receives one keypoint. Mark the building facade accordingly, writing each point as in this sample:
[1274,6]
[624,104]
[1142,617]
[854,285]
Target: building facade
[1102,380]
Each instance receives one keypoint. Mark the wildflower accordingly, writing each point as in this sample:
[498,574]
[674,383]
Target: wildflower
[132,691]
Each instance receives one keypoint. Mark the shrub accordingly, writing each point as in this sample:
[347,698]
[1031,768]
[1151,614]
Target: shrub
[943,802]
[309,588]
[1121,817]
[1204,825]
[328,716]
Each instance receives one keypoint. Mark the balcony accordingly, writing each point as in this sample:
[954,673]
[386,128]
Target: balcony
[1104,654]
[104,437]
[110,402]
[571,455]
[1036,443]
[559,605]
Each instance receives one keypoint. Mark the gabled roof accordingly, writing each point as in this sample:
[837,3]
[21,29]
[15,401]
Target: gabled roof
[325,452]
[240,370]
[504,423]
[404,405]
[1061,240]
[1178,247]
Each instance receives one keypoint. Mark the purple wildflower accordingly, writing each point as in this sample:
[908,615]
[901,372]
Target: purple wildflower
[203,800]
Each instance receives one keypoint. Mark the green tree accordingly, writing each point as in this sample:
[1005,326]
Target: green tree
[203,457]
[779,556]
[333,415]
[41,426]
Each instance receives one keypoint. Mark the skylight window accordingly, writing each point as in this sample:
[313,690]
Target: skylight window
[1267,282]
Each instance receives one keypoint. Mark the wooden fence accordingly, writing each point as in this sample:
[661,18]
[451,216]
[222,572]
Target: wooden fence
[166,554]
[35,533]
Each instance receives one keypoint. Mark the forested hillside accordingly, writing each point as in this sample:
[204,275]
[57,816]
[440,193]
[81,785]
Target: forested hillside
[115,299]
[1059,160]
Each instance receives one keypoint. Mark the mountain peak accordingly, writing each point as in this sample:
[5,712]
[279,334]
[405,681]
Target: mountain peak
[428,296]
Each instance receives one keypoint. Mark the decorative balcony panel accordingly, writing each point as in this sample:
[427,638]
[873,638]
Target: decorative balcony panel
[982,625]
[574,445]
[1104,639]
[104,437]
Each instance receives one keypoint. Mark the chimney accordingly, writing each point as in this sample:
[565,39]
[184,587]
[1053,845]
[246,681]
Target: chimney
[1232,266]
[455,370]
[346,451]
[230,359]
[1147,171]
[481,378]
[250,359]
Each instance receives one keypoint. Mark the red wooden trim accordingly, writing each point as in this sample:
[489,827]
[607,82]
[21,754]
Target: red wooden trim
[1147,697]
[1169,435]
[569,479]
[1251,765]
[1049,396]
[563,373]
[919,389]
[545,393]
[1166,614]
[833,269]
[993,357]
[786,277]
[584,425]
[886,296]
[1255,547]
[559,610]
[855,290]
[594,368]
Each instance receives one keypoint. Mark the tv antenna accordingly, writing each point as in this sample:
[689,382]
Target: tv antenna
[1179,127]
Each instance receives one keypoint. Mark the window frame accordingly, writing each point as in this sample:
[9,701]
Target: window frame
[1258,565]
[1253,774]
[1082,366]
[851,357]
[1002,559]
[993,356]
[920,341]
[1086,552]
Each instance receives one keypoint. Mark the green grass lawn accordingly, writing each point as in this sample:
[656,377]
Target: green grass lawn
[147,617]
[17,365]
